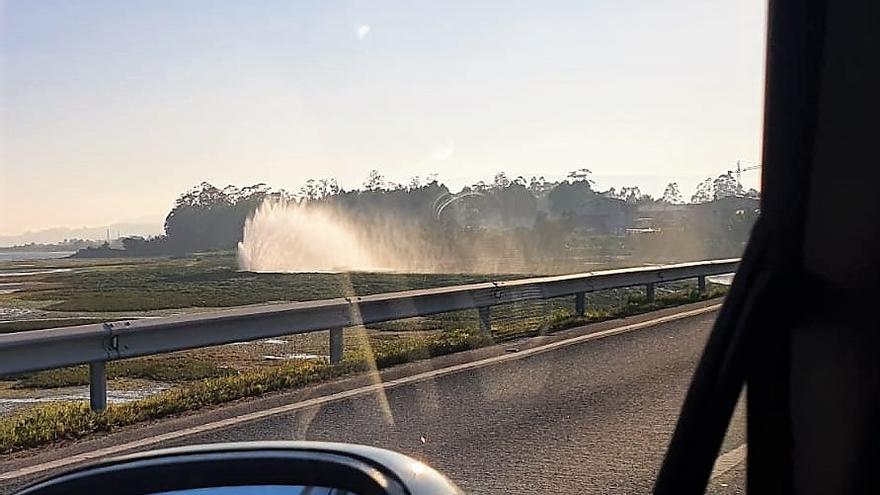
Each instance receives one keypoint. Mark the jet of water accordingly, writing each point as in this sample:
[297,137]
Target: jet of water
[303,237]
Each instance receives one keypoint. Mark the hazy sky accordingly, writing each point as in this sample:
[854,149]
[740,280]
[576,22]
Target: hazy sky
[110,109]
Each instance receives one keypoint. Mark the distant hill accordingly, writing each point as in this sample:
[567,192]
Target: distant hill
[59,234]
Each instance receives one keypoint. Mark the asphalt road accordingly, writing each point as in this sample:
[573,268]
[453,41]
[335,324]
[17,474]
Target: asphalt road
[594,417]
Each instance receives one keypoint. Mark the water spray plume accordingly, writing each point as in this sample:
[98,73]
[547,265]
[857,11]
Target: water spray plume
[314,237]
[323,236]
[289,237]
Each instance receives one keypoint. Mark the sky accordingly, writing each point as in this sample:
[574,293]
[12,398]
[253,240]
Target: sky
[109,110]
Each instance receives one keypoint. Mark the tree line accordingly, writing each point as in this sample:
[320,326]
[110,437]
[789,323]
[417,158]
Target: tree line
[207,217]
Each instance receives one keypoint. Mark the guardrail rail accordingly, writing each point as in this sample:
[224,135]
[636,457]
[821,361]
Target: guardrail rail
[95,344]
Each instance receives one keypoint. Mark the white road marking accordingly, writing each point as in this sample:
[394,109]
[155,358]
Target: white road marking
[729,460]
[317,401]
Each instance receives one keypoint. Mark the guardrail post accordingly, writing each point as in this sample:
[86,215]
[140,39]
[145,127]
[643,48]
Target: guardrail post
[649,292]
[98,385]
[580,304]
[486,320]
[701,285]
[336,345]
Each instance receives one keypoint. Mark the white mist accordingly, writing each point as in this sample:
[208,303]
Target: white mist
[290,237]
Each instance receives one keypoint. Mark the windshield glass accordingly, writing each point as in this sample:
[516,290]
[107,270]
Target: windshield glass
[405,202]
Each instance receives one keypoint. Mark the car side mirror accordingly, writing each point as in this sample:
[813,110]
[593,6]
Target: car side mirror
[265,468]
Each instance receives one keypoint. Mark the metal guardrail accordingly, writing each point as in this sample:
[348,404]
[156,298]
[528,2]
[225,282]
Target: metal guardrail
[96,344]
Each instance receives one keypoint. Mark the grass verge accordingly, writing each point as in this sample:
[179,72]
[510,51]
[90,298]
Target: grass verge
[173,369]
[50,423]
[635,304]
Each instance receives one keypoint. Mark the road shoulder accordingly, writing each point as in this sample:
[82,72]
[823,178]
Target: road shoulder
[139,432]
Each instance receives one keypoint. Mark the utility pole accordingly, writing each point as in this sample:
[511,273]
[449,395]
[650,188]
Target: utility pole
[739,184]
[740,170]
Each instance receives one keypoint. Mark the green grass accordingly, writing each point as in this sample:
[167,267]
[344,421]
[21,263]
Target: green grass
[207,281]
[27,325]
[173,369]
[49,423]
[635,304]
[212,280]
[53,422]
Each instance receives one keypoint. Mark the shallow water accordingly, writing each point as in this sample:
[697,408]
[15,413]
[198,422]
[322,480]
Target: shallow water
[17,313]
[34,272]
[33,255]
[10,404]
[721,279]
[297,356]
[9,288]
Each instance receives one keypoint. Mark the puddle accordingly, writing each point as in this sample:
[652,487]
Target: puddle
[34,272]
[17,256]
[721,279]
[10,287]
[16,313]
[288,357]
[11,404]
[264,341]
